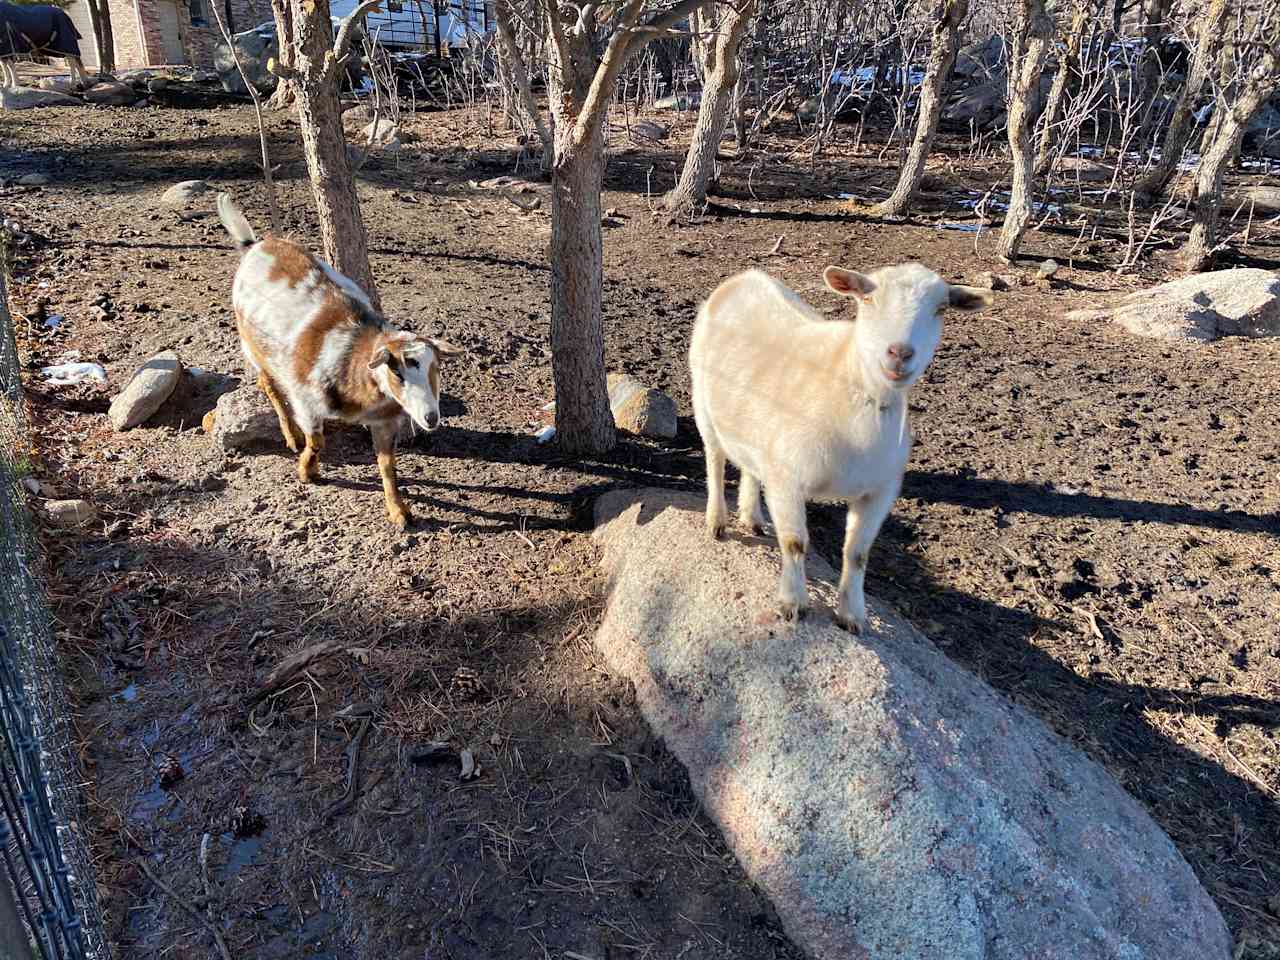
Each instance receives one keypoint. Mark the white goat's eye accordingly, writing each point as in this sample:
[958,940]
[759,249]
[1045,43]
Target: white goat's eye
[411,363]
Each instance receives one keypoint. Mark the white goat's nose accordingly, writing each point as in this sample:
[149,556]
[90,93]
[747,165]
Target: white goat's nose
[902,352]
[433,419]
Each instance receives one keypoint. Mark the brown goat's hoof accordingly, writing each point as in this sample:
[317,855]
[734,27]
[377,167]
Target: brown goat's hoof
[400,519]
[793,612]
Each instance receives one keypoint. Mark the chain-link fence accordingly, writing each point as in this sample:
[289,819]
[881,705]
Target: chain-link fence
[43,857]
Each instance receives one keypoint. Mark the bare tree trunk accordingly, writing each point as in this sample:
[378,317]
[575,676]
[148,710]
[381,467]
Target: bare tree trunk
[1067,64]
[1202,242]
[318,67]
[1180,123]
[1032,32]
[104,36]
[699,25]
[582,86]
[584,422]
[720,76]
[1151,71]
[945,43]
[286,92]
[520,74]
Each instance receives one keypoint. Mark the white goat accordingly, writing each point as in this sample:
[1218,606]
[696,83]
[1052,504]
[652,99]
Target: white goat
[815,409]
[321,352]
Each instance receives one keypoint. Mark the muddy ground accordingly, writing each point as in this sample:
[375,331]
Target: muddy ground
[1089,522]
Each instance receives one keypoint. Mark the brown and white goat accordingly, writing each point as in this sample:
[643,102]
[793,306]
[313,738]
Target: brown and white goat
[321,352]
[815,409]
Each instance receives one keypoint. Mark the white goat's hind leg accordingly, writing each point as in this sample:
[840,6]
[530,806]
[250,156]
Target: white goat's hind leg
[10,74]
[750,516]
[716,510]
[787,508]
[865,518]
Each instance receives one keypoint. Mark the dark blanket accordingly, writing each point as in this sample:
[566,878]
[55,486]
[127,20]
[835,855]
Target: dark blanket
[43,31]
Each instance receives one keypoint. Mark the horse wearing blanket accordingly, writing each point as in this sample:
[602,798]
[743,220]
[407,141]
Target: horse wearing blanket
[37,31]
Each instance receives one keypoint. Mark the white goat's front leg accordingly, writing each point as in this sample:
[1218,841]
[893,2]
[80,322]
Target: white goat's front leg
[865,518]
[10,74]
[78,77]
[716,510]
[750,516]
[786,505]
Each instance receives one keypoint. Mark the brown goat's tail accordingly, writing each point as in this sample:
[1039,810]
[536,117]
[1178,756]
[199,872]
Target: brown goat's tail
[235,223]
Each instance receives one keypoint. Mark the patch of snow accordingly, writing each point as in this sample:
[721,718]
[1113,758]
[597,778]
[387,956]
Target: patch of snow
[545,435]
[54,321]
[66,374]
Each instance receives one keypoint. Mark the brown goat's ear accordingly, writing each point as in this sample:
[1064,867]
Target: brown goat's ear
[968,298]
[381,357]
[849,283]
[444,348]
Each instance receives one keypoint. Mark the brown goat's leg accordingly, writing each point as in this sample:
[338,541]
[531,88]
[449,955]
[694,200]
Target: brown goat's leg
[287,427]
[384,442]
[309,461]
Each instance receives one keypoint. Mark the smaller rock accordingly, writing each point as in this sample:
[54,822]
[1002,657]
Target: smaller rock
[61,85]
[156,84]
[1243,302]
[1260,199]
[648,130]
[679,102]
[111,93]
[993,281]
[208,421]
[1084,169]
[180,194]
[641,410]
[470,769]
[383,133]
[30,98]
[244,418]
[70,513]
[150,387]
[33,180]
[1048,270]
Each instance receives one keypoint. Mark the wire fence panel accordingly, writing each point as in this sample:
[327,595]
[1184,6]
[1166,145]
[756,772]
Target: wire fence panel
[43,855]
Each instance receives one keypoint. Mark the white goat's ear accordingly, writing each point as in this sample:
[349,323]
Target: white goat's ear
[968,298]
[848,283]
[381,357]
[444,348]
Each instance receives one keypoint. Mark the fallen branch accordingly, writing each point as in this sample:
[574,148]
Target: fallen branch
[187,908]
[284,671]
[353,774]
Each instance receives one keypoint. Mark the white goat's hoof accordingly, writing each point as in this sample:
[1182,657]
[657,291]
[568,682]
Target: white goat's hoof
[855,625]
[716,530]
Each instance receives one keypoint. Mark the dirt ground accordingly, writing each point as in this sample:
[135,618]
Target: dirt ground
[1089,522]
